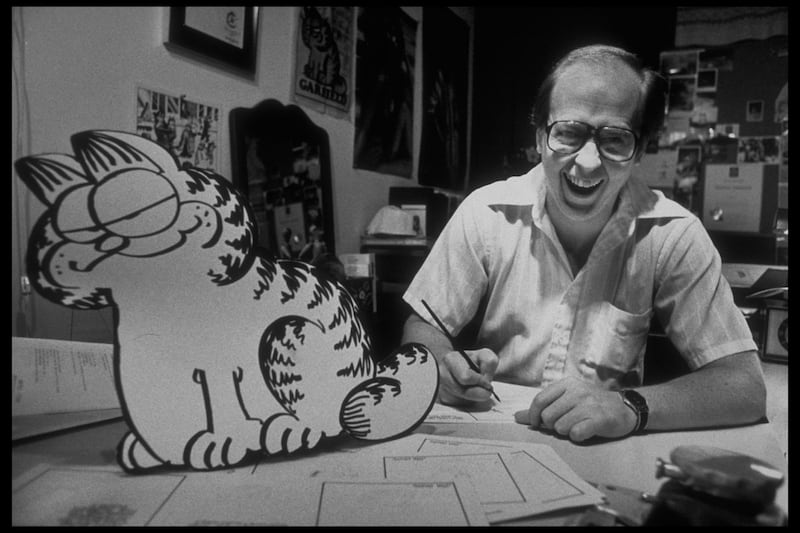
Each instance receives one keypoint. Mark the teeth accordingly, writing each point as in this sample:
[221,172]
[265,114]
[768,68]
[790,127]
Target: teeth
[586,184]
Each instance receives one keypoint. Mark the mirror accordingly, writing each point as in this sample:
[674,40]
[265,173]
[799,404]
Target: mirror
[281,163]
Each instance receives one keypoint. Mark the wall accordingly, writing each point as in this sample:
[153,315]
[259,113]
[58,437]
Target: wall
[515,47]
[78,70]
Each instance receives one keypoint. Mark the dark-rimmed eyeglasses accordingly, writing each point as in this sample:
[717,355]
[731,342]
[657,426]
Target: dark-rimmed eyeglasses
[568,136]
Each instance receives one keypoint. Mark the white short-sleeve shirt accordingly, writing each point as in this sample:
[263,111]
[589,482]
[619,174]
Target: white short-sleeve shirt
[652,257]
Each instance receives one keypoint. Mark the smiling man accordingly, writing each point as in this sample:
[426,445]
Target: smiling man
[566,266]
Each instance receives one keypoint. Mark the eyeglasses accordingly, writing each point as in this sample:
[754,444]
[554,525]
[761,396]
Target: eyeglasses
[568,136]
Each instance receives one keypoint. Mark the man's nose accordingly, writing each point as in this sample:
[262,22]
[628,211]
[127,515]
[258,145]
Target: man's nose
[589,156]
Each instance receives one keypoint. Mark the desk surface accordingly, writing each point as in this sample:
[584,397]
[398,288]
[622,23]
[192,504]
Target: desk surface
[626,463]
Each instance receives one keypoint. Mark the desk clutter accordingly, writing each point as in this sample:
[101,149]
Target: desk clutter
[418,480]
[762,292]
[433,477]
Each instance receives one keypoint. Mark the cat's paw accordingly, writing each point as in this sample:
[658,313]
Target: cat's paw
[284,433]
[396,400]
[133,456]
[209,450]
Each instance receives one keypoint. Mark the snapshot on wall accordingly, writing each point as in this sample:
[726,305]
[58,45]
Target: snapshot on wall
[188,129]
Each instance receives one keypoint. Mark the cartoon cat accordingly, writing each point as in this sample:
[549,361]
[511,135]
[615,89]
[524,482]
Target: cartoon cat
[323,62]
[220,352]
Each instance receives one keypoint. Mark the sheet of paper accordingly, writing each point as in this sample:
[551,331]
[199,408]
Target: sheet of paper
[513,479]
[742,274]
[32,425]
[46,496]
[381,502]
[509,480]
[53,376]
[513,398]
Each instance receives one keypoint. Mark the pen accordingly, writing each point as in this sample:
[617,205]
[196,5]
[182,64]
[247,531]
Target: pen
[469,361]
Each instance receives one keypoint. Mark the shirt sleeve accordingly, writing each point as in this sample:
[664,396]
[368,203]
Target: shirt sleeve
[453,278]
[694,301]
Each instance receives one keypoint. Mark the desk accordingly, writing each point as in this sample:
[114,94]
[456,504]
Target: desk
[628,463]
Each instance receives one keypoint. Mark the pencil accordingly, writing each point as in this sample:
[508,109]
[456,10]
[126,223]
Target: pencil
[442,327]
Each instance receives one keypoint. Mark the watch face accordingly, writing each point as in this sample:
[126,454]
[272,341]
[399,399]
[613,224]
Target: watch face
[636,399]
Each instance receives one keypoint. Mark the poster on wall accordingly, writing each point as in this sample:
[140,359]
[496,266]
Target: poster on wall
[323,58]
[443,150]
[385,50]
[188,129]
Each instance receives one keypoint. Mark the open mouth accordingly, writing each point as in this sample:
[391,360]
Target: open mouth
[581,187]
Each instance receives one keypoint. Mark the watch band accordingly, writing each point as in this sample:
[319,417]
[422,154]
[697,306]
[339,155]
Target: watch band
[638,404]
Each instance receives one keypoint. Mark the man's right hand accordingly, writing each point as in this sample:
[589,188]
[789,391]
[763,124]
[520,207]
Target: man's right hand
[459,384]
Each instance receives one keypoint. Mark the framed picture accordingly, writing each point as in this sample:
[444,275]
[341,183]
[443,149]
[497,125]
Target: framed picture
[221,35]
[688,161]
[281,163]
[755,110]
[707,80]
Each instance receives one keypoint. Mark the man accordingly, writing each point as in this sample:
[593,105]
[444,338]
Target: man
[568,264]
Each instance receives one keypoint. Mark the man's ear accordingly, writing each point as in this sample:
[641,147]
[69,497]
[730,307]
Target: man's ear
[541,141]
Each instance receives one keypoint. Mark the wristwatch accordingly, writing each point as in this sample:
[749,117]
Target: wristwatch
[638,404]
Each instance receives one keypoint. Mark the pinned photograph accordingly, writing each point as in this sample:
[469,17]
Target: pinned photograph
[755,110]
[707,80]
[705,109]
[759,150]
[681,94]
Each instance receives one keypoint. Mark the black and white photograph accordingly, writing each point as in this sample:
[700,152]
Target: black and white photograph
[706,80]
[400,266]
[186,128]
[755,111]
[681,94]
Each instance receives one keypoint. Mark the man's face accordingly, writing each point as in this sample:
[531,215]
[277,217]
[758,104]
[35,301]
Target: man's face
[583,186]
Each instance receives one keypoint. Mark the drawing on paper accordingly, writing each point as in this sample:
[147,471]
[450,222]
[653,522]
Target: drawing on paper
[221,352]
[105,514]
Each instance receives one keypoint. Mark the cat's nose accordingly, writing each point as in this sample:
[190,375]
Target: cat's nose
[111,244]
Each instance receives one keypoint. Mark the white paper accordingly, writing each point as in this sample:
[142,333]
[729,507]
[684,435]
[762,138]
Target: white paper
[31,425]
[54,376]
[743,275]
[512,479]
[513,398]
[509,480]
[381,502]
[737,190]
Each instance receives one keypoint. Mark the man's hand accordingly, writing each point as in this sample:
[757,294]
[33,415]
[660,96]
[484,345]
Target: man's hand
[458,384]
[579,410]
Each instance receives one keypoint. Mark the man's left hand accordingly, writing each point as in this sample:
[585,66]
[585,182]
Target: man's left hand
[579,410]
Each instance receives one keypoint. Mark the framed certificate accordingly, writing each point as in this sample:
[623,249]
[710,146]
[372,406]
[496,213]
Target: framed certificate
[221,35]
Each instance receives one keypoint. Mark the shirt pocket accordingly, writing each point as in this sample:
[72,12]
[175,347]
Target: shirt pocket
[614,346]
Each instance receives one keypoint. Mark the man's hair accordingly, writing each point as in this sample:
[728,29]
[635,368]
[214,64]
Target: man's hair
[650,113]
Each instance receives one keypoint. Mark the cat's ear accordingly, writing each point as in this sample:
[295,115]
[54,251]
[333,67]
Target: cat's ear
[104,152]
[48,176]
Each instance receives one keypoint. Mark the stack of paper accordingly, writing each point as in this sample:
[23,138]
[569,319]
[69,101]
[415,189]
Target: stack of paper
[59,384]
[417,480]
